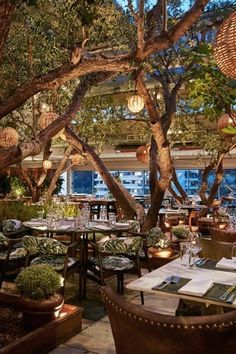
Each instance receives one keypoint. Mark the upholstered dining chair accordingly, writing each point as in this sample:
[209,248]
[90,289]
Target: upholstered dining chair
[12,257]
[13,228]
[44,250]
[118,256]
[137,331]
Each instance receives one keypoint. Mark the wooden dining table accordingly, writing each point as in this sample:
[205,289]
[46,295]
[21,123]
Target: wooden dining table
[225,279]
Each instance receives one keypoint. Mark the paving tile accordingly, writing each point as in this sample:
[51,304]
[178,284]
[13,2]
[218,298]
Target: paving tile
[97,338]
[64,349]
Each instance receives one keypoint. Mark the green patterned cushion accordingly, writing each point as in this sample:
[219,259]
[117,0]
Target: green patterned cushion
[31,243]
[117,263]
[15,254]
[11,225]
[3,240]
[121,245]
[49,246]
[57,262]
[156,238]
[135,225]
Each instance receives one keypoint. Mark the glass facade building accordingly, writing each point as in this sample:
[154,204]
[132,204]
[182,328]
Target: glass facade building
[137,182]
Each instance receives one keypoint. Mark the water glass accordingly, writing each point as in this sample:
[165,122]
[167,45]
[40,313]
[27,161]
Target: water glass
[40,214]
[112,219]
[185,254]
[233,252]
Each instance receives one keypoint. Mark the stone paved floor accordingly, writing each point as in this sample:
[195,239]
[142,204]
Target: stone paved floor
[96,336]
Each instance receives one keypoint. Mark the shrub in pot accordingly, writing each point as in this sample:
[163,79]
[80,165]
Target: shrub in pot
[181,233]
[40,301]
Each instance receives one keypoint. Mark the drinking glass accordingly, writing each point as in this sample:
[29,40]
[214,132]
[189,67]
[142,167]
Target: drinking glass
[40,214]
[185,253]
[233,252]
[195,246]
[112,219]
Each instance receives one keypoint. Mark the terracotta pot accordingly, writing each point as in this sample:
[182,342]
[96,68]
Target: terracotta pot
[39,312]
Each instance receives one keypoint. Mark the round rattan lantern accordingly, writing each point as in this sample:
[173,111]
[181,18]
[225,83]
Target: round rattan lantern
[77,159]
[142,153]
[227,124]
[46,118]
[8,137]
[135,103]
[224,47]
[47,164]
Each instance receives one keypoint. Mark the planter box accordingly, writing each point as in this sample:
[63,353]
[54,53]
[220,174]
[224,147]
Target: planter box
[50,335]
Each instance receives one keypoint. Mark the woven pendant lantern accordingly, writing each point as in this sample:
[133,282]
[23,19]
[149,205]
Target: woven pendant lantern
[46,119]
[135,103]
[47,164]
[224,47]
[8,137]
[142,153]
[77,159]
[227,124]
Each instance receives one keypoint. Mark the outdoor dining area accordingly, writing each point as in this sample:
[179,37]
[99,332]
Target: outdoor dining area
[117,177]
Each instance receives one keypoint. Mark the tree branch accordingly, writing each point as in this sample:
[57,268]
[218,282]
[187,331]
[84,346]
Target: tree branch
[18,153]
[167,39]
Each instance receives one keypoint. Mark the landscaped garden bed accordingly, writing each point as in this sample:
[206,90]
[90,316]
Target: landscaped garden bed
[15,339]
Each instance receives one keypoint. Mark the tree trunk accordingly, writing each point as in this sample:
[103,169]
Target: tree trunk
[127,203]
[7,8]
[58,172]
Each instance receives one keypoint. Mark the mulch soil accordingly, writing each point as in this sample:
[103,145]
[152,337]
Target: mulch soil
[11,325]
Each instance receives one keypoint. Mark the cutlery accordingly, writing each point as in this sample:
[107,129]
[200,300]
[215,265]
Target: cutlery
[169,280]
[231,299]
[227,292]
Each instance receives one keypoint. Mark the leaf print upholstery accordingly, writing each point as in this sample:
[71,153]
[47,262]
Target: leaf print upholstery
[121,245]
[11,225]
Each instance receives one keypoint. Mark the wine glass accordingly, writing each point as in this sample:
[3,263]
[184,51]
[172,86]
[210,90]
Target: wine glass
[233,252]
[195,246]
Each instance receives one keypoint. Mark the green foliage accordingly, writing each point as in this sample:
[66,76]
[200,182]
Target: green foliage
[17,210]
[17,187]
[180,232]
[38,281]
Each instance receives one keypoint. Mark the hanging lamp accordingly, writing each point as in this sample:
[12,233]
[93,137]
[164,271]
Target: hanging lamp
[142,153]
[8,137]
[227,124]
[47,164]
[135,103]
[224,47]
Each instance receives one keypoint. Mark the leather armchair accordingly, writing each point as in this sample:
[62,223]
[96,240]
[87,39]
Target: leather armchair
[137,331]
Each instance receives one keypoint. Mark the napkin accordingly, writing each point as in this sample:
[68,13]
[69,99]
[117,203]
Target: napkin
[102,227]
[196,287]
[63,227]
[226,264]
[121,224]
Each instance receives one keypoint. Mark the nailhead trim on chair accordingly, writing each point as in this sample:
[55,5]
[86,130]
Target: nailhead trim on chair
[158,324]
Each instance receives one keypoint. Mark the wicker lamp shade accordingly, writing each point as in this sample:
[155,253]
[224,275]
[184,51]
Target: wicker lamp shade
[77,159]
[227,124]
[8,137]
[135,103]
[225,46]
[47,164]
[142,153]
[46,118]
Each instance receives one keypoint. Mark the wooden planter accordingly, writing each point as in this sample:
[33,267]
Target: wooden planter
[48,336]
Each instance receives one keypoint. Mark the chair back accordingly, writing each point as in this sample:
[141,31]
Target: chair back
[137,331]
[122,245]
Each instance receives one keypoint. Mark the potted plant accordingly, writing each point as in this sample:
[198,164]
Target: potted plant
[181,233]
[40,301]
